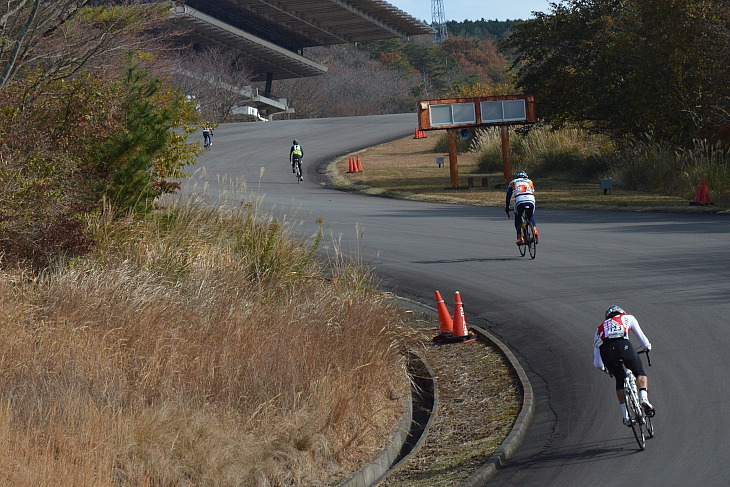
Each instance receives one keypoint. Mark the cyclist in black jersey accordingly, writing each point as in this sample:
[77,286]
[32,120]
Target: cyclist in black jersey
[296,154]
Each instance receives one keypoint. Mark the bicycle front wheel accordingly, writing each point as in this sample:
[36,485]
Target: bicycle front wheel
[530,239]
[637,421]
[649,427]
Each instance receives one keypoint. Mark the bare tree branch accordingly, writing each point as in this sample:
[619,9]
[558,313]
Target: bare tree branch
[63,36]
[19,39]
[216,78]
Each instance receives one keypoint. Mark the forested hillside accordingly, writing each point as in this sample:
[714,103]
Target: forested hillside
[481,29]
[390,76]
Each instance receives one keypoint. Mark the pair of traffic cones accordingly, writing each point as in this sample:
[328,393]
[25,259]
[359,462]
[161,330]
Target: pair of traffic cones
[355,164]
[452,331]
[419,134]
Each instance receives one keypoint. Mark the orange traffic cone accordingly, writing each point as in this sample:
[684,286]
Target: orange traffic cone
[352,165]
[702,196]
[460,334]
[705,193]
[358,167]
[416,134]
[445,323]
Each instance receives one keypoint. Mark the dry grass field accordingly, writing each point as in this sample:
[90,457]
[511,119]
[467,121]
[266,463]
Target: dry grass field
[200,346]
[406,168]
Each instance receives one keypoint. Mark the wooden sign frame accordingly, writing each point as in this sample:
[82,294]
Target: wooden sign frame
[454,114]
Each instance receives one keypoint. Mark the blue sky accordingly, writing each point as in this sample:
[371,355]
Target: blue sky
[474,9]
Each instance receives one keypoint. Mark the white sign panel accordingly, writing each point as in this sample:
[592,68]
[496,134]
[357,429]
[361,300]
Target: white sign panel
[503,111]
[453,114]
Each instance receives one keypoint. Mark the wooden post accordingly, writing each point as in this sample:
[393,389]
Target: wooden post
[453,165]
[506,160]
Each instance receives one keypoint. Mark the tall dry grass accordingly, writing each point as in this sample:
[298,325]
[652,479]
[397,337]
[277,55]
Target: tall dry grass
[200,346]
[574,154]
[567,153]
[653,166]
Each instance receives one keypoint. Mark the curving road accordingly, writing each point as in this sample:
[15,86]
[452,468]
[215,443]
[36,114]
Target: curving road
[671,270]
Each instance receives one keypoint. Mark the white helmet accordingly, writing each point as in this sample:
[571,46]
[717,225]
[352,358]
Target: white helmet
[614,310]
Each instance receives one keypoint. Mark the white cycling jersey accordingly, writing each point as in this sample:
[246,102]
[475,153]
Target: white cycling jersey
[523,191]
[617,327]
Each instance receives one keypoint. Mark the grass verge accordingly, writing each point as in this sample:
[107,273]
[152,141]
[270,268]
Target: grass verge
[198,346]
[407,169]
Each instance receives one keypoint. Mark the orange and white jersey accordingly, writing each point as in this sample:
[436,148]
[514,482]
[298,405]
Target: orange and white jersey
[617,327]
[523,190]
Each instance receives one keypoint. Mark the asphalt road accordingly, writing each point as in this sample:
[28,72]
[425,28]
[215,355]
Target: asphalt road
[672,271]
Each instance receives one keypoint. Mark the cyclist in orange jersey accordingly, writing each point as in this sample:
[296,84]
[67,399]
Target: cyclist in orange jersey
[524,192]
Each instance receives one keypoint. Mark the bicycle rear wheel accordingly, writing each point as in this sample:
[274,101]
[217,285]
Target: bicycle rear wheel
[637,421]
[530,239]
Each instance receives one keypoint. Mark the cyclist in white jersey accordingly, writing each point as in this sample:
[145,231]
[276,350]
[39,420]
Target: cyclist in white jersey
[524,192]
[610,343]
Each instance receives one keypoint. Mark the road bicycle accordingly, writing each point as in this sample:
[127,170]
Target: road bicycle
[529,241]
[298,169]
[639,421]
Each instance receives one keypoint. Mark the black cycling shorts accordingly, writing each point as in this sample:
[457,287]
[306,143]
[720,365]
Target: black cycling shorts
[620,348]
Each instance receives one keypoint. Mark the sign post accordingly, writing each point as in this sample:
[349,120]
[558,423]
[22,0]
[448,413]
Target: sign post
[453,166]
[506,156]
[455,114]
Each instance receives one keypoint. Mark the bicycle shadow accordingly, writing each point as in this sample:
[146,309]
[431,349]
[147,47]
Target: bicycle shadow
[471,259]
[578,454]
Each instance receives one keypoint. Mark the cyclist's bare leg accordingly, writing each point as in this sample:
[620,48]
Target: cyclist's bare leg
[620,396]
[642,384]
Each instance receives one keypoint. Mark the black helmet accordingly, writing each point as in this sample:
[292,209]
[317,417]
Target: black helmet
[614,310]
[296,142]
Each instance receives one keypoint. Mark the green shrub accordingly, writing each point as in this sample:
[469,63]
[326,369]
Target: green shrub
[67,145]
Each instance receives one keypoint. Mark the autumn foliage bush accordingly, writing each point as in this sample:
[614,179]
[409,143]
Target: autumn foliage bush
[66,145]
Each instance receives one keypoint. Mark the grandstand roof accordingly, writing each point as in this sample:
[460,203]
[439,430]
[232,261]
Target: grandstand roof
[271,35]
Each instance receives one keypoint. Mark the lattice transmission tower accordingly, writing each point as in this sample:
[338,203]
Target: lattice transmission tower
[438,20]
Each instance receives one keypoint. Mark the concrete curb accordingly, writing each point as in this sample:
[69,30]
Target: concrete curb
[505,451]
[382,465]
[430,377]
[519,429]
